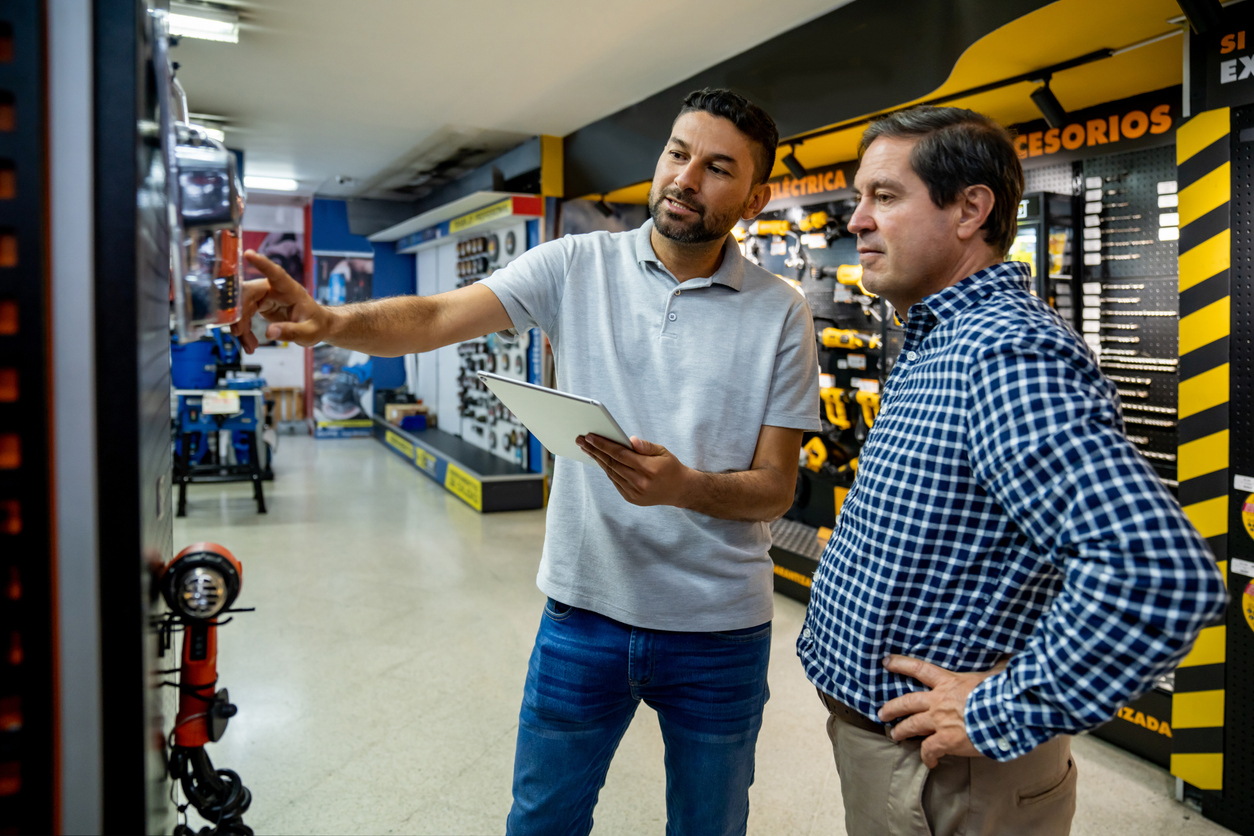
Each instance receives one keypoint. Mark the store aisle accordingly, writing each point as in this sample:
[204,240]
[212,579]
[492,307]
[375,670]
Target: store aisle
[379,680]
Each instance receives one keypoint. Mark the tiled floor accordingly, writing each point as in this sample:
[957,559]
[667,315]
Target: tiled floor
[379,680]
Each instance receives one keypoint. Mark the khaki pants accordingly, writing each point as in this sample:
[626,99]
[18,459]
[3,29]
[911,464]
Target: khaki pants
[888,791]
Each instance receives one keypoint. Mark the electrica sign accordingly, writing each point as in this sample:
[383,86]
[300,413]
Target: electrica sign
[1130,124]
[828,183]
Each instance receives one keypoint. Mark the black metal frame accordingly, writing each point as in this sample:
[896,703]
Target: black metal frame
[132,259]
[28,619]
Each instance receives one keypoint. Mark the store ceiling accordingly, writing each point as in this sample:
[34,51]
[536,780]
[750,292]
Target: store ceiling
[1060,31]
[391,95]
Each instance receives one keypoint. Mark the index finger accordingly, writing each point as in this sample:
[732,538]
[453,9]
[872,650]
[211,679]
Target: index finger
[281,283]
[927,673]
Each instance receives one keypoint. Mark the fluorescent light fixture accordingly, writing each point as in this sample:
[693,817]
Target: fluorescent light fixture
[274,184]
[210,23]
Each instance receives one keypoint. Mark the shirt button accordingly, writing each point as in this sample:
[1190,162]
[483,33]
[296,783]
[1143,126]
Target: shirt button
[910,355]
[1003,744]
[805,633]
[671,317]
[676,292]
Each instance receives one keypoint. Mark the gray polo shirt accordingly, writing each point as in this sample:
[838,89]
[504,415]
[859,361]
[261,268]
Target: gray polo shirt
[698,367]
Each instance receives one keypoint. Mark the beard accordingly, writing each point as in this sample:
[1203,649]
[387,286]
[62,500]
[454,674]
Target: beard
[701,229]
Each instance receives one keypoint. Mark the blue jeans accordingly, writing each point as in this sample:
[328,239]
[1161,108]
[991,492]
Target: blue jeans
[588,673]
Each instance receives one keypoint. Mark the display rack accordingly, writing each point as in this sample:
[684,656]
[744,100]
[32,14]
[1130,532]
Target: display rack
[481,480]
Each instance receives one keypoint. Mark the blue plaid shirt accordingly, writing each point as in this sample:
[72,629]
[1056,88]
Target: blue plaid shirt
[999,510]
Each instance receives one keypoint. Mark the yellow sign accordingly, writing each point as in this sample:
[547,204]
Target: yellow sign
[795,577]
[1247,514]
[482,216]
[400,444]
[820,182]
[1145,721]
[425,460]
[465,486]
[1247,604]
[1094,132]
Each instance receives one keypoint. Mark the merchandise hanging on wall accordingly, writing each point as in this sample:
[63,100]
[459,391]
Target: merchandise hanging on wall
[342,386]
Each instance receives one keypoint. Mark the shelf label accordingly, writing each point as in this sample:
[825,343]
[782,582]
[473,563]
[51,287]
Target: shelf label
[220,403]
[463,485]
[489,213]
[400,445]
[425,460]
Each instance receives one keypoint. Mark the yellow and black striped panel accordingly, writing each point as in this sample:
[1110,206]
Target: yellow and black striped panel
[1204,178]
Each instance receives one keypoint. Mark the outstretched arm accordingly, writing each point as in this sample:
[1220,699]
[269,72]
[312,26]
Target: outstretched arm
[383,327]
[650,475]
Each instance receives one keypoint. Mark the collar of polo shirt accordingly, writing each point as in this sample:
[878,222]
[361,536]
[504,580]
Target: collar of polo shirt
[730,273]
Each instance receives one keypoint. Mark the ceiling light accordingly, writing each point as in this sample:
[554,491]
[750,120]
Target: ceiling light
[794,165]
[604,208]
[1049,106]
[210,23]
[274,184]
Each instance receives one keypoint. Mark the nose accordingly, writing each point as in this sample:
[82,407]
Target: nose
[689,177]
[861,220]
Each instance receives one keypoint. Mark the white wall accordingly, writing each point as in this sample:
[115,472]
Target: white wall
[427,385]
[282,366]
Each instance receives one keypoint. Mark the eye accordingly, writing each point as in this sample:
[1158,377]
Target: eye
[882,197]
[717,170]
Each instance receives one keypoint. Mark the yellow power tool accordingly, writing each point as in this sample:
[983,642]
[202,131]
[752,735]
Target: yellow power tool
[870,403]
[816,454]
[834,402]
[844,338]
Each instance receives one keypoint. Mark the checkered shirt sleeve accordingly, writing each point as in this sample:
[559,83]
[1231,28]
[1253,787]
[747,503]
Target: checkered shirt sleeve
[1138,580]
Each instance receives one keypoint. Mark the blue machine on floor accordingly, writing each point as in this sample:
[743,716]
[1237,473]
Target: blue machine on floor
[198,369]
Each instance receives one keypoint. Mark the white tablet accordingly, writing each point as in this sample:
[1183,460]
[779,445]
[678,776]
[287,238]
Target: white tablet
[556,418]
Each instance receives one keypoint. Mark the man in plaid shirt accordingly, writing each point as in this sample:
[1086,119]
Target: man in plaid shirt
[1007,569]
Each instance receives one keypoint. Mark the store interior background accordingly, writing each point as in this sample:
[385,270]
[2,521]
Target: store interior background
[389,516]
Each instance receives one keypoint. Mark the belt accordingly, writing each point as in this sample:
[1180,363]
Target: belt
[851,715]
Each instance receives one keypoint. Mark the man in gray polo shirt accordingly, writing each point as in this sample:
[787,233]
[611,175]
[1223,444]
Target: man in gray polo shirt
[655,564]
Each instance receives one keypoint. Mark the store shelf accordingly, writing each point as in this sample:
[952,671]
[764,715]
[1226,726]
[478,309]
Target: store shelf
[795,549]
[483,481]
[1143,727]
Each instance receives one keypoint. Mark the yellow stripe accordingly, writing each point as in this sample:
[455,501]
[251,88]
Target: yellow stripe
[1203,770]
[1200,131]
[1212,256]
[1197,709]
[1204,391]
[552,171]
[1223,570]
[1205,326]
[1209,649]
[1210,517]
[1205,455]
[1211,190]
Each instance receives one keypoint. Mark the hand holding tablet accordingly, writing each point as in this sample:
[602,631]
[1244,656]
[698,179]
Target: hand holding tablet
[556,418]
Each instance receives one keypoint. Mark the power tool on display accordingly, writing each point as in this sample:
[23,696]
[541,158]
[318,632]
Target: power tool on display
[199,585]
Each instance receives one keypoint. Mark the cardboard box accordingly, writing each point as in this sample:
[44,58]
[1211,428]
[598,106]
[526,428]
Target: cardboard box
[394,412]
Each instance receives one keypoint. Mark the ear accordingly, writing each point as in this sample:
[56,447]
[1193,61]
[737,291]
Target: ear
[759,197]
[974,206]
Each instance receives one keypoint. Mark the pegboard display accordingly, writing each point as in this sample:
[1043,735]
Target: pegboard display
[1129,290]
[812,249]
[1131,200]
[484,420]
[1059,179]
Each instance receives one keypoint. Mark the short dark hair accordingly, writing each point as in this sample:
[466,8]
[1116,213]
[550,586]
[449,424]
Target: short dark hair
[958,148]
[749,119]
